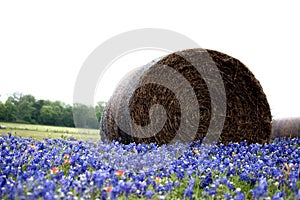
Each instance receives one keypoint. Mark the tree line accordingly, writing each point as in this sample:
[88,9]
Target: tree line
[21,108]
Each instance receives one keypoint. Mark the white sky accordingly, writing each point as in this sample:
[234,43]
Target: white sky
[44,44]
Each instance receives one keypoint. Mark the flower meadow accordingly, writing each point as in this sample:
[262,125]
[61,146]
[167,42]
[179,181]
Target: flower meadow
[62,169]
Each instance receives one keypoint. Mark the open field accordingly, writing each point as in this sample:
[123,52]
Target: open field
[42,131]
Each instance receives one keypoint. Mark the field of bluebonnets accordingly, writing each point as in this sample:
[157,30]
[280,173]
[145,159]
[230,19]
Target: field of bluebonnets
[62,169]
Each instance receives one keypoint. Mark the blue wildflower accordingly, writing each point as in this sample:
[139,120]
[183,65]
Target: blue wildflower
[239,196]
[149,194]
[278,195]
[207,180]
[260,191]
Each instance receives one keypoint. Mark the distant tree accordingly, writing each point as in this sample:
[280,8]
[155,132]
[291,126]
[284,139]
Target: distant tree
[25,112]
[27,98]
[38,106]
[58,113]
[99,108]
[85,116]
[46,115]
[68,116]
[25,108]
[10,111]
[15,98]
[2,111]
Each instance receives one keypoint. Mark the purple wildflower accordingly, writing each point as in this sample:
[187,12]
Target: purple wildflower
[260,191]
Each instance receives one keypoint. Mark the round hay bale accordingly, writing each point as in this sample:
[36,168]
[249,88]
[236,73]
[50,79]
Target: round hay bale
[286,127]
[236,106]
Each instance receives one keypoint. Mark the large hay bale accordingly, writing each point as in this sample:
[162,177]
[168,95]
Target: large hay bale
[286,127]
[246,115]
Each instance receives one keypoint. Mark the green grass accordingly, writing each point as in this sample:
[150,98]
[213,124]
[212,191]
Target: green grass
[42,131]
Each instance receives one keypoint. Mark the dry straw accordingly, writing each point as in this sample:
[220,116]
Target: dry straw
[248,115]
[286,127]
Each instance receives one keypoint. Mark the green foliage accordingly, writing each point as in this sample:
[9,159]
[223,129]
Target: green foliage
[85,116]
[99,109]
[2,111]
[10,111]
[47,115]
[26,109]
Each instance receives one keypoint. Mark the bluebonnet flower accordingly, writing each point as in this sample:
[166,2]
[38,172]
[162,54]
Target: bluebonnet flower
[239,196]
[226,161]
[227,196]
[149,194]
[260,191]
[38,169]
[278,195]
[244,176]
[188,192]
[207,179]
[297,194]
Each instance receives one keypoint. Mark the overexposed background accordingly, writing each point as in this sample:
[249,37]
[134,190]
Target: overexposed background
[44,44]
